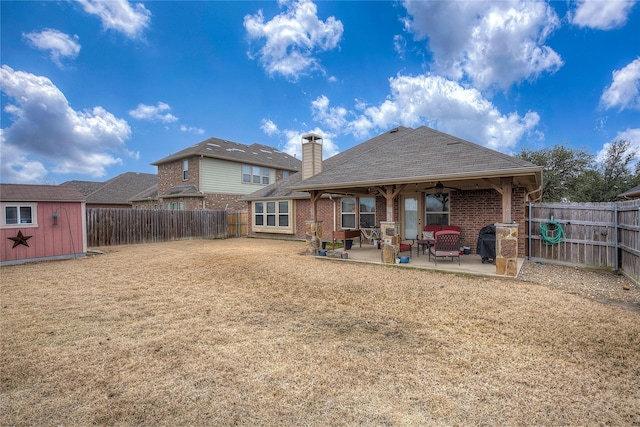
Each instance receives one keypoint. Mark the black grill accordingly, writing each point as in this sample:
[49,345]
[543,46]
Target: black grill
[487,243]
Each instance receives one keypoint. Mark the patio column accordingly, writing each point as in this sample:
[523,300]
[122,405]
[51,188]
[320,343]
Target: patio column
[313,236]
[390,235]
[507,249]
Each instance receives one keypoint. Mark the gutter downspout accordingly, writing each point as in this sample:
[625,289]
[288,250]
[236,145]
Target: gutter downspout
[530,229]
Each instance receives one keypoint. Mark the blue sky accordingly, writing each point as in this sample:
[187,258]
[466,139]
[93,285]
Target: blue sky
[93,89]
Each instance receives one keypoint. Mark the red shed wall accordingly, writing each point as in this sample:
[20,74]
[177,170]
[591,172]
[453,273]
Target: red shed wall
[64,240]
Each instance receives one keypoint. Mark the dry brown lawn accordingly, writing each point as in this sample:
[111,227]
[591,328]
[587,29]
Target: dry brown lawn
[251,332]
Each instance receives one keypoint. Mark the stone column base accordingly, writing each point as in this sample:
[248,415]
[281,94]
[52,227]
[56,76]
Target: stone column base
[313,236]
[507,249]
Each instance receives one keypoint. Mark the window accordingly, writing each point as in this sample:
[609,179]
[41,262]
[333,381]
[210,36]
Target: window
[285,174]
[348,209]
[19,215]
[367,212]
[255,175]
[185,170]
[437,209]
[272,216]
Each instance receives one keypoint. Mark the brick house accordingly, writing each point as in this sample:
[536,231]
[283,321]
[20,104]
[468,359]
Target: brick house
[413,177]
[214,174]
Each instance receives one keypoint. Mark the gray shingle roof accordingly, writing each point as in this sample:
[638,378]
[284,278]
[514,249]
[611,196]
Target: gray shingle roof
[631,193]
[39,193]
[119,190]
[413,155]
[254,154]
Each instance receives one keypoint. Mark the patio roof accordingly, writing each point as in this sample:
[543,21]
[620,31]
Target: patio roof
[421,156]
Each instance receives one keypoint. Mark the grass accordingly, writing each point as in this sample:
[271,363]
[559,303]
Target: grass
[250,332]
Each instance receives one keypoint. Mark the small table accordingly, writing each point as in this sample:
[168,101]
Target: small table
[425,244]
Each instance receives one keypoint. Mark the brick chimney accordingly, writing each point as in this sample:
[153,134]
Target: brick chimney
[311,155]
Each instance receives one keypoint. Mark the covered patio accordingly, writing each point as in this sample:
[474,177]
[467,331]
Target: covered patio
[469,264]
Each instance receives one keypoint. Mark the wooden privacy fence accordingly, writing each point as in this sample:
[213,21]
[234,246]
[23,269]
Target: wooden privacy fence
[604,235]
[107,227]
[238,224]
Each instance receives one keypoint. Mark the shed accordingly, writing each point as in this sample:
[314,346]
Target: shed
[41,222]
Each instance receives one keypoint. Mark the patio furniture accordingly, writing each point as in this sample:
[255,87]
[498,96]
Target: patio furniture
[346,234]
[447,244]
[428,236]
[406,247]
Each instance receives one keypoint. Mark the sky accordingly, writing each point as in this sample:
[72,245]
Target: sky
[92,89]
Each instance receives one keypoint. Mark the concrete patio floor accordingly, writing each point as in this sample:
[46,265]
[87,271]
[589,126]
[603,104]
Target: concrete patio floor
[469,264]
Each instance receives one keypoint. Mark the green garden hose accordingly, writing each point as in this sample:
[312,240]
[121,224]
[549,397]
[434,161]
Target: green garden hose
[554,235]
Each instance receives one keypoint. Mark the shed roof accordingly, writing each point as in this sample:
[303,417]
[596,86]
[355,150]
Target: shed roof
[254,154]
[39,193]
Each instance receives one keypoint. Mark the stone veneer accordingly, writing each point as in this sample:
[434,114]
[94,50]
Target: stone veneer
[507,249]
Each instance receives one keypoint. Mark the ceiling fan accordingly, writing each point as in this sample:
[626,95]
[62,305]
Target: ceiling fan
[440,188]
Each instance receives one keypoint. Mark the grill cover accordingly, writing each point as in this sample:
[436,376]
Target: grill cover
[487,243]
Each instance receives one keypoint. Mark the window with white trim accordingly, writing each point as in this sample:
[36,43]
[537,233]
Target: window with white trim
[185,170]
[255,175]
[437,209]
[19,215]
[367,212]
[348,210]
[273,216]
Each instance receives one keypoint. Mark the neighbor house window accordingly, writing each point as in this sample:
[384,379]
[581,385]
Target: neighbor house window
[255,175]
[367,212]
[19,215]
[348,209]
[272,216]
[437,209]
[185,170]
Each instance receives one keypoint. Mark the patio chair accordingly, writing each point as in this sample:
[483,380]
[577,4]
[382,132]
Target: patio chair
[447,244]
[406,247]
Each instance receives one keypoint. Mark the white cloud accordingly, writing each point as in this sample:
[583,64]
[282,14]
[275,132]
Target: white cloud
[624,91]
[269,127]
[293,145]
[488,43]
[191,129]
[15,167]
[292,38]
[436,102]
[159,112]
[119,15]
[59,45]
[601,15]
[46,130]
[399,45]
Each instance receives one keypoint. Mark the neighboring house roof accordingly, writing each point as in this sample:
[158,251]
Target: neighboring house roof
[405,155]
[634,193]
[254,154]
[118,190]
[39,193]
[187,190]
[146,194]
[279,189]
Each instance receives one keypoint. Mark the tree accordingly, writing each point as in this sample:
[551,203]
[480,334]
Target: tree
[563,170]
[615,172]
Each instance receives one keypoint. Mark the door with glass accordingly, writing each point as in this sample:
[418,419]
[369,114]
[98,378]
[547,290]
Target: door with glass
[410,217]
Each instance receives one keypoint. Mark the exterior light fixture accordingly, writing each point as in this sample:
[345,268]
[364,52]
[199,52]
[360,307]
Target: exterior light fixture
[439,187]
[55,218]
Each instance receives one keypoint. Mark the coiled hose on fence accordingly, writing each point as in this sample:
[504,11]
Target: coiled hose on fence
[554,235]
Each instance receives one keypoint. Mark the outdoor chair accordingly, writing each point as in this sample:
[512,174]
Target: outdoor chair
[447,244]
[406,247]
